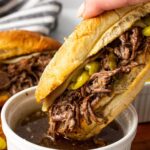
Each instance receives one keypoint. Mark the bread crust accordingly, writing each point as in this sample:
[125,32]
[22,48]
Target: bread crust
[89,37]
[3,97]
[20,42]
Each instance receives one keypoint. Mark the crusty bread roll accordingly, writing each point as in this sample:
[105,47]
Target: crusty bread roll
[88,39]
[18,42]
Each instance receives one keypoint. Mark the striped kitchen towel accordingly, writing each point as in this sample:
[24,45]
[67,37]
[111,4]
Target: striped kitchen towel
[34,15]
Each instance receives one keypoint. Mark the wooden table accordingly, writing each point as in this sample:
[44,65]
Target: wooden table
[142,139]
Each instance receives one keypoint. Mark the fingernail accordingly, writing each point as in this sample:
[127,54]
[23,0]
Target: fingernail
[81,10]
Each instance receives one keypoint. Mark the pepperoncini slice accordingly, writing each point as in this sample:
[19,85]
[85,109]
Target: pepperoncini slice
[112,61]
[146,31]
[74,78]
[2,143]
[92,67]
[81,80]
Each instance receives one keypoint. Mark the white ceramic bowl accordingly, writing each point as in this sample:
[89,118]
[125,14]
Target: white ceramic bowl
[142,104]
[23,103]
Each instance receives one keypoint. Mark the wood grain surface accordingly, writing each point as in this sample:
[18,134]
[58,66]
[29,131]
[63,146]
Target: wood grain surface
[142,139]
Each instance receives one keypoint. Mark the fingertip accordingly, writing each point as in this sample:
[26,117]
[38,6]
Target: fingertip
[91,9]
[81,10]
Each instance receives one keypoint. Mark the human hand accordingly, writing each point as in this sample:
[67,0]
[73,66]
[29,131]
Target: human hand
[92,8]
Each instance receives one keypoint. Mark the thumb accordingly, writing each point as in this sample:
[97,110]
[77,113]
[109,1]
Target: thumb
[92,8]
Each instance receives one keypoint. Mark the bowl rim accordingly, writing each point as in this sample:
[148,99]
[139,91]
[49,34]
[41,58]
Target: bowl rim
[12,134]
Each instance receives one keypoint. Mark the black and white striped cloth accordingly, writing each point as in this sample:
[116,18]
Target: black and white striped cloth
[34,15]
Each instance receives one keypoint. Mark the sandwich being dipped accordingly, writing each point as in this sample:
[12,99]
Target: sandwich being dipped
[97,72]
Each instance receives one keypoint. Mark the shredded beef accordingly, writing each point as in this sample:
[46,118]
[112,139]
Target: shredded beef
[130,42]
[15,77]
[100,81]
[73,105]
[5,82]
[135,41]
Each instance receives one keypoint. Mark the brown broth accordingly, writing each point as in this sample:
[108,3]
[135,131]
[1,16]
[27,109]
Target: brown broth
[34,127]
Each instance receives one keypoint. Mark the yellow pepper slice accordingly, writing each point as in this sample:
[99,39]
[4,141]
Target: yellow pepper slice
[92,67]
[81,80]
[112,61]
[74,79]
[2,143]
[146,31]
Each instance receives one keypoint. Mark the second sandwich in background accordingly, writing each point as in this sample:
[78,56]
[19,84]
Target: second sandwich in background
[23,57]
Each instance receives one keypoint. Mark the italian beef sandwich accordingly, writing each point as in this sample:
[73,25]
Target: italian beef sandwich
[23,57]
[97,72]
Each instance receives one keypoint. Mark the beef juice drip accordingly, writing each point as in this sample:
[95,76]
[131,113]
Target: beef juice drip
[34,127]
